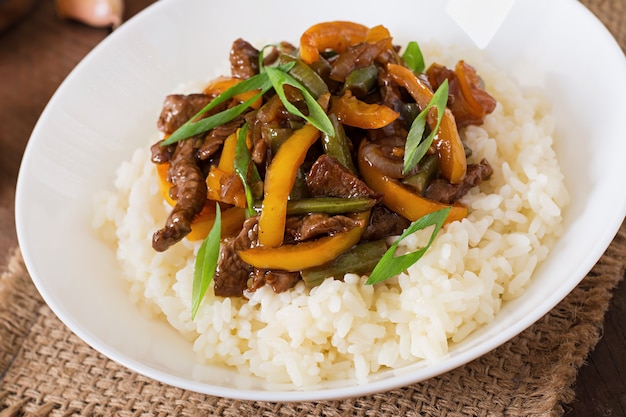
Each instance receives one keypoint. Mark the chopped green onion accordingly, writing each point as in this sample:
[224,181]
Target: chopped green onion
[192,127]
[390,265]
[206,263]
[204,125]
[413,57]
[415,148]
[242,163]
[317,116]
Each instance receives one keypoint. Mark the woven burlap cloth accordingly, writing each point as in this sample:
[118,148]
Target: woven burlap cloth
[46,370]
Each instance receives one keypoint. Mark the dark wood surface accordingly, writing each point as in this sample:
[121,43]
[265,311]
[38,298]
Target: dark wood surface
[38,52]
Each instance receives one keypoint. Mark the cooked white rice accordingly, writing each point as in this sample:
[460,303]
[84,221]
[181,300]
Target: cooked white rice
[345,329]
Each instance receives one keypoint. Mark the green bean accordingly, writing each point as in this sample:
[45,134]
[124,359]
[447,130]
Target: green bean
[428,168]
[327,205]
[361,259]
[277,135]
[299,189]
[323,68]
[337,146]
[409,112]
[361,80]
[306,76]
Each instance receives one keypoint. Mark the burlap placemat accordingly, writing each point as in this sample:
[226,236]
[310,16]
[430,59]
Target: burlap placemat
[48,371]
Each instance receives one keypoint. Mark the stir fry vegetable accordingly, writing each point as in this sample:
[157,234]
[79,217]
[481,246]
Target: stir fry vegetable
[306,159]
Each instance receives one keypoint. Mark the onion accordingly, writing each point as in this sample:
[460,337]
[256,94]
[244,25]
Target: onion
[98,13]
[376,155]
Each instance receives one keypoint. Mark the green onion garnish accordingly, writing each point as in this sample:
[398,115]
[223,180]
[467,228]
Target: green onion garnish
[317,116]
[191,127]
[390,265]
[415,148]
[242,165]
[206,263]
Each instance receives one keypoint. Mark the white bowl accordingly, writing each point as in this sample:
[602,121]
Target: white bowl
[108,106]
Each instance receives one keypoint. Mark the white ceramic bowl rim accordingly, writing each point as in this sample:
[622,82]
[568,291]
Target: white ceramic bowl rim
[108,105]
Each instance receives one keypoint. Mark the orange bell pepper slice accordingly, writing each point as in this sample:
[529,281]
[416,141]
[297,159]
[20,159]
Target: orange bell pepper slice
[479,102]
[220,84]
[378,33]
[356,113]
[305,255]
[403,201]
[336,35]
[279,180]
[452,161]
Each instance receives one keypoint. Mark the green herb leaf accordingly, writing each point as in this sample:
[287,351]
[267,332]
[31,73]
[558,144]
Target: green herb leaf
[206,263]
[317,116]
[242,165]
[415,148]
[390,265]
[413,57]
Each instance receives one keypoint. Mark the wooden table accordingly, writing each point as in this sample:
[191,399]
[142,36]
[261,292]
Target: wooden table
[36,55]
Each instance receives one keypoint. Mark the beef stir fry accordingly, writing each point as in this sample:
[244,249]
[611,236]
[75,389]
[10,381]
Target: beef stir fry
[314,202]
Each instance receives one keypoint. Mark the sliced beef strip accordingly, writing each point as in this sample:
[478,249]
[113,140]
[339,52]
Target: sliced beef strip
[191,194]
[314,225]
[281,280]
[356,56]
[244,59]
[391,93]
[214,140]
[258,279]
[327,177]
[178,108]
[232,273]
[444,192]
[161,154]
[384,223]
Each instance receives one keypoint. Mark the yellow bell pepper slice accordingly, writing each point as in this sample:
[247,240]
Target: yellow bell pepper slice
[227,159]
[403,201]
[232,222]
[356,113]
[336,35]
[452,161]
[279,180]
[299,256]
